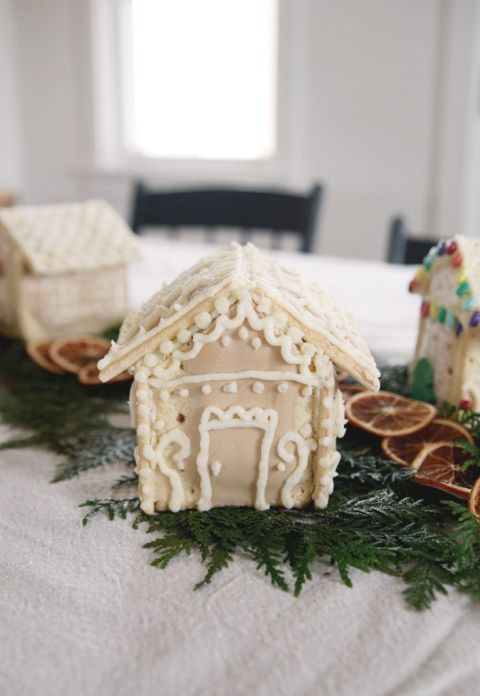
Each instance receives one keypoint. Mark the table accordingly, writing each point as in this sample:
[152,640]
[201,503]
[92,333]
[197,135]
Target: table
[82,612]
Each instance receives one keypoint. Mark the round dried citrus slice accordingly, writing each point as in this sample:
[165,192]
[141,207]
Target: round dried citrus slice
[88,374]
[474,500]
[72,354]
[38,351]
[404,449]
[388,414]
[439,465]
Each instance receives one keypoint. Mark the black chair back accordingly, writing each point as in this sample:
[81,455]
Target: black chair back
[406,249]
[275,212]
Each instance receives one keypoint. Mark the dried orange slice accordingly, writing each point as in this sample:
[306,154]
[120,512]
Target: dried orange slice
[72,354]
[403,450]
[38,351]
[88,374]
[388,414]
[439,465]
[474,500]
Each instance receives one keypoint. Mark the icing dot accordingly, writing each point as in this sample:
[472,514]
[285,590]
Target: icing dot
[307,391]
[243,294]
[216,467]
[177,306]
[184,392]
[256,342]
[141,376]
[164,395]
[281,466]
[243,333]
[295,334]
[306,430]
[226,340]
[146,472]
[141,394]
[150,360]
[181,466]
[166,347]
[203,320]
[282,387]
[184,335]
[147,488]
[264,306]
[230,388]
[159,424]
[280,319]
[222,305]
[143,410]
[308,349]
[327,423]
[206,389]
[258,387]
[143,430]
[148,453]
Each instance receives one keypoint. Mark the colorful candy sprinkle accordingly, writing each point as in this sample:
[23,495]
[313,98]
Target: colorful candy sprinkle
[442,248]
[442,315]
[458,329]
[475,319]
[469,303]
[411,285]
[463,289]
[433,311]
[466,403]
[452,248]
[457,260]
[425,310]
[451,320]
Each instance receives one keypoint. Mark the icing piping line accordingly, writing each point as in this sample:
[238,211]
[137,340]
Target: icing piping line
[228,376]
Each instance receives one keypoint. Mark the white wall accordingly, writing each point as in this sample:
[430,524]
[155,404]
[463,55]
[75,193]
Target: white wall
[10,147]
[365,99]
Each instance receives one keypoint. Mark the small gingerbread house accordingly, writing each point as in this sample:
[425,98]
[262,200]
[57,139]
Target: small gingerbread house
[449,333]
[234,399]
[63,269]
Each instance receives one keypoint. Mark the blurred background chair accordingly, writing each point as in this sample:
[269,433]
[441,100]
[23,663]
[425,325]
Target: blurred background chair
[405,248]
[274,212]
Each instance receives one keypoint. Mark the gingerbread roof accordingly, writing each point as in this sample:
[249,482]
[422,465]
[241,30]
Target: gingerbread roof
[244,268]
[449,282]
[69,237]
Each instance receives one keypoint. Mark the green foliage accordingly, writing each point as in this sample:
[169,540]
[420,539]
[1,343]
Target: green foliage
[58,413]
[394,378]
[378,530]
[422,382]
[469,419]
[373,521]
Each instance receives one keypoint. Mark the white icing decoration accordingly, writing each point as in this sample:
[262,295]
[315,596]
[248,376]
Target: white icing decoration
[177,306]
[143,410]
[203,320]
[309,379]
[206,389]
[226,341]
[166,347]
[184,336]
[222,305]
[141,394]
[230,388]
[184,392]
[173,437]
[214,418]
[256,343]
[141,376]
[281,466]
[295,334]
[216,467]
[143,430]
[304,447]
[258,387]
[164,395]
[243,333]
[159,424]
[306,430]
[307,391]
[264,306]
[327,472]
[150,360]
[282,387]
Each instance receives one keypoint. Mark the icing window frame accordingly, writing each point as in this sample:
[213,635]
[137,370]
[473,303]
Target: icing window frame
[121,104]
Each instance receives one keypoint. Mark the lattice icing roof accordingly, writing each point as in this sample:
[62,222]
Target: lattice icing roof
[69,237]
[237,267]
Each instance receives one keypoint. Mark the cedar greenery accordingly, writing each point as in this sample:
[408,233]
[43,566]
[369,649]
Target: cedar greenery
[376,519]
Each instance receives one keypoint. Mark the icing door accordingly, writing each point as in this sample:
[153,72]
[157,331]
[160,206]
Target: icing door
[234,455]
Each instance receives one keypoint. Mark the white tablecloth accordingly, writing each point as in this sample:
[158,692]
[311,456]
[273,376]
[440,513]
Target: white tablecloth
[82,612]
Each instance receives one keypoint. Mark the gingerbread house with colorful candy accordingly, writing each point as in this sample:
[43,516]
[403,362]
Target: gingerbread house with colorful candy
[449,331]
[235,400]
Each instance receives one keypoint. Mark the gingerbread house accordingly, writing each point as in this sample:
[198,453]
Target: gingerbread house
[235,400]
[63,269]
[449,333]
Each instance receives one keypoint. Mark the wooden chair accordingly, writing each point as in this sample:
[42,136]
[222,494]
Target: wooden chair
[406,249]
[275,212]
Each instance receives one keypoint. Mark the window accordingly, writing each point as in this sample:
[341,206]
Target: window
[198,79]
